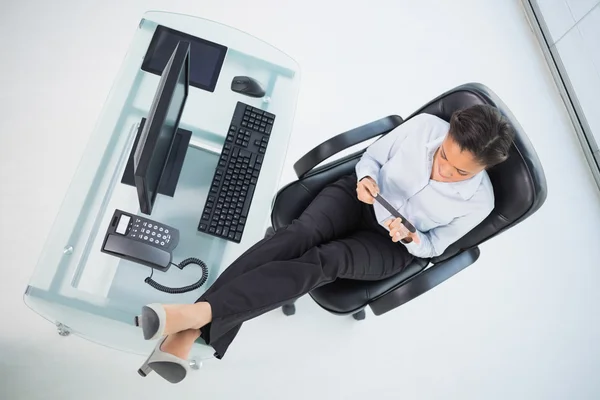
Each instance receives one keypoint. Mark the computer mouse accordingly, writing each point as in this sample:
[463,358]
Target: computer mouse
[247,86]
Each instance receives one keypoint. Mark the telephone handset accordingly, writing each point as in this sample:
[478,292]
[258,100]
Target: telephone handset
[140,240]
[150,243]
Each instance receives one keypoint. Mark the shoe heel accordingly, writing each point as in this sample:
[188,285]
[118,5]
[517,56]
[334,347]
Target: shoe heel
[152,321]
[144,370]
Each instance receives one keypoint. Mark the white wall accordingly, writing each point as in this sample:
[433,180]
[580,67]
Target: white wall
[520,324]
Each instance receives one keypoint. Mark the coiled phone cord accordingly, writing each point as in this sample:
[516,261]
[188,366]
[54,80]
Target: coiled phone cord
[182,289]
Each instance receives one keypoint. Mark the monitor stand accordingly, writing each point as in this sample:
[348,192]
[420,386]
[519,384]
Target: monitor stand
[170,177]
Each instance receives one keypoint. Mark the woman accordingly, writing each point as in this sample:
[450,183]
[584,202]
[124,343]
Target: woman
[431,171]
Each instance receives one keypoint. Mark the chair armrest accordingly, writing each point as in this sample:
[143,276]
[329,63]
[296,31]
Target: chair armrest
[343,141]
[424,281]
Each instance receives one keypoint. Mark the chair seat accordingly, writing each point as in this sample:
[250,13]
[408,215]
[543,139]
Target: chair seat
[345,296]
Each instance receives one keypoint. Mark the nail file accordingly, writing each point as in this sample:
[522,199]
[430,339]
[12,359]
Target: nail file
[381,200]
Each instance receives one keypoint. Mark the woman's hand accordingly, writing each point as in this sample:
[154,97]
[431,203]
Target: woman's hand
[399,231]
[367,189]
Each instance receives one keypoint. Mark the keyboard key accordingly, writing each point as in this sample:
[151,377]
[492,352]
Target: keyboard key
[246,207]
[245,153]
[238,236]
[203,227]
[219,230]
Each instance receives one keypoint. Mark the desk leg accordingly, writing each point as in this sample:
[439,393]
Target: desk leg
[195,365]
[63,330]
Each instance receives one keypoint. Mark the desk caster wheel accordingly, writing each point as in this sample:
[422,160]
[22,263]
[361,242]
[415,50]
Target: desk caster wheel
[359,316]
[289,309]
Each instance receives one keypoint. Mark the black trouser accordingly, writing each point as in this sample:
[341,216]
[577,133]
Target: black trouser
[337,236]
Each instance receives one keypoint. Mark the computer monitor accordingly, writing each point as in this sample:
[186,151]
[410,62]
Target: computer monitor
[156,138]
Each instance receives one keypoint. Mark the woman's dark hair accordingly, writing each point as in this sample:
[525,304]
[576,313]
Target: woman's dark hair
[483,131]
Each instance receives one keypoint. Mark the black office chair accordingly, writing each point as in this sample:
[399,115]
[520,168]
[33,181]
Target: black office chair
[519,189]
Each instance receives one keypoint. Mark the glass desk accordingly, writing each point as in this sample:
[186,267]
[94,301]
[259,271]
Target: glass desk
[96,295]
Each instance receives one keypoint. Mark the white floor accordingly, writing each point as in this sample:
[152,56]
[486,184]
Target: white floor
[522,323]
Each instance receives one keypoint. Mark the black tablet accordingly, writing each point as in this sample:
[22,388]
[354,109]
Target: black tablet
[206,58]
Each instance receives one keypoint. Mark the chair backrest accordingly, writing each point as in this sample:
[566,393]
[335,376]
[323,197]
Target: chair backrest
[519,182]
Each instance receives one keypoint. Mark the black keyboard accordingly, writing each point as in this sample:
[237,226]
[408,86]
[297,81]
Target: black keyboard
[235,177]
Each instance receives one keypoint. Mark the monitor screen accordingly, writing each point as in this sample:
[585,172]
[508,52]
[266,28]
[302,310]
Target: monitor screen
[166,134]
[156,139]
[206,58]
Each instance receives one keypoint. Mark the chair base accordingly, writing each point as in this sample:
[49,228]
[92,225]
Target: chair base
[359,316]
[289,309]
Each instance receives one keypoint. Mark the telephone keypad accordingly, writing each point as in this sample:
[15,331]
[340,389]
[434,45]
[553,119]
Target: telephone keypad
[149,232]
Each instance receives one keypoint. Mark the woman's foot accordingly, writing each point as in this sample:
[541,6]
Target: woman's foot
[179,344]
[166,319]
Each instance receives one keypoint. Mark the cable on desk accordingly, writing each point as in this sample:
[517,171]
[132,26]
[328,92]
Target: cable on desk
[182,289]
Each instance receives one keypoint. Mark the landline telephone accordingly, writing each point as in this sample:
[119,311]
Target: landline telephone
[149,243]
